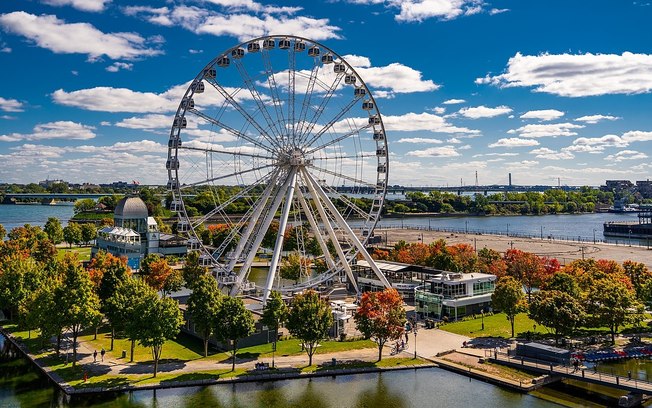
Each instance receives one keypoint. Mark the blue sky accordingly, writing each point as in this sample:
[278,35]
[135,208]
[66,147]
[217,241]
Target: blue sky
[544,90]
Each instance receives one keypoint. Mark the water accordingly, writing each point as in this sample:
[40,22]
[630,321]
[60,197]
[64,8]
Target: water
[12,216]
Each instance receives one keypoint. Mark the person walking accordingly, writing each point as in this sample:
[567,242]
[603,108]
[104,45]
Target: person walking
[103,352]
[95,356]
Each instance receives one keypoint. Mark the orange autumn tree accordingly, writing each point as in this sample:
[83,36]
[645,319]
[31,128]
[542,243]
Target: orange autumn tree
[162,277]
[381,317]
[527,268]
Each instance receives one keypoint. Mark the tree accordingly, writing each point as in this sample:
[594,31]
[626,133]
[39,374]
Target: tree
[275,313]
[309,320]
[294,266]
[526,268]
[233,322]
[638,274]
[381,317]
[45,311]
[3,232]
[557,310]
[508,298]
[72,234]
[84,205]
[159,319]
[162,277]
[608,301]
[20,276]
[121,307]
[203,305]
[54,230]
[79,304]
[563,282]
[191,270]
[88,233]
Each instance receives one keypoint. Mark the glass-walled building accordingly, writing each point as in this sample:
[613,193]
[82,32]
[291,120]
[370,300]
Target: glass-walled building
[455,295]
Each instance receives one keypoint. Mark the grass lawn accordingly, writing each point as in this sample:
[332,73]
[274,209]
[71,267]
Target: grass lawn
[494,326]
[387,362]
[83,253]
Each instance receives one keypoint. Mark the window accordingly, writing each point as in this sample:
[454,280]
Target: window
[455,290]
[481,288]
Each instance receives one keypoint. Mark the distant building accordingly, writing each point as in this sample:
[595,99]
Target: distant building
[135,234]
[49,183]
[618,185]
[644,188]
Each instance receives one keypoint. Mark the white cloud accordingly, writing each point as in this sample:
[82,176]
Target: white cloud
[83,5]
[420,10]
[626,155]
[547,130]
[148,122]
[419,140]
[443,151]
[453,101]
[47,31]
[423,121]
[514,142]
[598,144]
[53,130]
[396,77]
[495,154]
[482,111]
[592,119]
[107,99]
[357,61]
[495,11]
[543,114]
[576,75]
[637,136]
[439,110]
[11,105]
[117,66]
[546,153]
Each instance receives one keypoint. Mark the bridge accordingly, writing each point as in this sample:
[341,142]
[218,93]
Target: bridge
[47,198]
[495,188]
[627,383]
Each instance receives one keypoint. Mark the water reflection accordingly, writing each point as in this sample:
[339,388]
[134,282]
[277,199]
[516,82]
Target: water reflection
[380,396]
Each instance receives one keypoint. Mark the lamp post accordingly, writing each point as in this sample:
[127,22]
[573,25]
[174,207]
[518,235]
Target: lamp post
[414,328]
[466,227]
[507,229]
[542,232]
[482,312]
[593,236]
[629,237]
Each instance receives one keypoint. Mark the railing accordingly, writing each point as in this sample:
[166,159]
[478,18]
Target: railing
[568,371]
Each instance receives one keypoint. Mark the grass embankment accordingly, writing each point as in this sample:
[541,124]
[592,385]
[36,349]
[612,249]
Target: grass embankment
[83,253]
[497,325]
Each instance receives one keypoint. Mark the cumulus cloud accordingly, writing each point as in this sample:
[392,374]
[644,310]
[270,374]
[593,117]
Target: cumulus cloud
[482,111]
[83,5]
[598,144]
[253,20]
[549,154]
[420,10]
[47,31]
[53,130]
[593,119]
[626,155]
[543,114]
[576,75]
[444,151]
[423,121]
[117,66]
[453,101]
[547,130]
[514,142]
[11,105]
[396,77]
[423,140]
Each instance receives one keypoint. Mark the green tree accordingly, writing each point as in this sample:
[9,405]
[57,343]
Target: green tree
[3,232]
[54,230]
[78,302]
[45,311]
[72,234]
[275,313]
[508,298]
[309,320]
[233,321]
[381,317]
[88,233]
[19,278]
[84,205]
[608,301]
[121,307]
[159,319]
[638,274]
[203,305]
[191,270]
[294,266]
[556,310]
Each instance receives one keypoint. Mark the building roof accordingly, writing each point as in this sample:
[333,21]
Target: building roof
[131,207]
[386,266]
[123,232]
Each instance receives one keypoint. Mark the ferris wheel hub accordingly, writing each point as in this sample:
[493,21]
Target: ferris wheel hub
[294,157]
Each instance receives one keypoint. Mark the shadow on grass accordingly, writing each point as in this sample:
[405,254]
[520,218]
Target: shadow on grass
[193,377]
[106,383]
[148,367]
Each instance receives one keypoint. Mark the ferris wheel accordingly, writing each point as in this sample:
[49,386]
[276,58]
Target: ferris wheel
[279,150]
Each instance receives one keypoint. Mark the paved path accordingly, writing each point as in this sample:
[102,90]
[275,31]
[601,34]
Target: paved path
[430,342]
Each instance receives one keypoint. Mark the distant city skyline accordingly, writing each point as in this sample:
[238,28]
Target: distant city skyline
[542,90]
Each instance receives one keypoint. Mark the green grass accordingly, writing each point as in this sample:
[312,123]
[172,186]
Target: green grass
[83,253]
[292,347]
[494,326]
[385,363]
[91,215]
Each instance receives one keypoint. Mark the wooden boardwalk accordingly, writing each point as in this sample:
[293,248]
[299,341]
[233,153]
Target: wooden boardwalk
[587,375]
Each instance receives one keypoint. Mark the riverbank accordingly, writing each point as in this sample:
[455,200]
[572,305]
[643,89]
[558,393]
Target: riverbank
[564,251]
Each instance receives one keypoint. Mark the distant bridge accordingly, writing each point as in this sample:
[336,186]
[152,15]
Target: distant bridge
[46,198]
[495,188]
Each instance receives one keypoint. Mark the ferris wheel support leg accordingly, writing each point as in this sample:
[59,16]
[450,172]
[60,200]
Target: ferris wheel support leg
[278,247]
[320,240]
[342,223]
[251,225]
[331,233]
[259,239]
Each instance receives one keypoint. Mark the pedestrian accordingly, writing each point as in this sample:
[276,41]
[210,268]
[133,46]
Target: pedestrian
[103,352]
[95,356]
[407,338]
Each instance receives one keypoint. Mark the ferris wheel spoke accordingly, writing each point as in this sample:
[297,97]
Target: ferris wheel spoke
[234,174]
[292,64]
[338,139]
[257,98]
[349,203]
[229,129]
[241,194]
[359,156]
[226,95]
[317,190]
[322,107]
[336,174]
[305,106]
[273,88]
[332,122]
[213,150]
[308,182]
[262,229]
[316,231]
